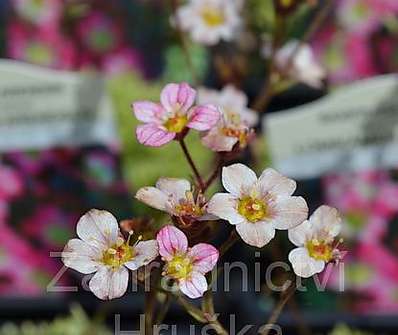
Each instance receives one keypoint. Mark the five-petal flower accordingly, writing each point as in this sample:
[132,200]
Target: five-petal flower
[258,206]
[315,239]
[210,21]
[236,121]
[174,114]
[102,250]
[175,197]
[299,63]
[187,266]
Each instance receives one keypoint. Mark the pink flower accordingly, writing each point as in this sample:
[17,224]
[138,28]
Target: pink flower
[236,121]
[172,116]
[42,12]
[45,47]
[187,266]
[122,60]
[10,183]
[99,33]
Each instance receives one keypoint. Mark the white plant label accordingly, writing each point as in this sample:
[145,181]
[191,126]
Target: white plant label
[42,108]
[353,128]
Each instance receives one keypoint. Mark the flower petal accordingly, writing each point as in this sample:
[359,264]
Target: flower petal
[153,197]
[98,228]
[275,183]
[223,205]
[300,234]
[153,135]
[289,212]
[147,111]
[217,141]
[326,222]
[204,257]
[238,178]
[195,286]
[304,265]
[203,117]
[256,234]
[171,240]
[181,94]
[174,187]
[80,256]
[146,252]
[109,283]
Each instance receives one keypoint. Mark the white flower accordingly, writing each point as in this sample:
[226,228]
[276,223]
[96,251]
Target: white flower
[234,125]
[102,250]
[258,206]
[175,197]
[303,66]
[315,241]
[210,21]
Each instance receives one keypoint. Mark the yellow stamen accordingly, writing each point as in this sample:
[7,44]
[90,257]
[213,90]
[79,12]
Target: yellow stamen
[118,254]
[320,250]
[253,209]
[213,17]
[176,124]
[180,267]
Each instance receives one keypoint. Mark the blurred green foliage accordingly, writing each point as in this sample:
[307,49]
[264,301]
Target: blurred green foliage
[342,329]
[176,67]
[77,323]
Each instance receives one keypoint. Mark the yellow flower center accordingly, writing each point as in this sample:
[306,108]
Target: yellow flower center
[176,124]
[118,254]
[179,267]
[213,17]
[253,209]
[286,3]
[320,250]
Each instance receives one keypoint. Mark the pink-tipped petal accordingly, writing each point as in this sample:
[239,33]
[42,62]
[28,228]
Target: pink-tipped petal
[204,257]
[181,94]
[195,286]
[147,111]
[153,135]
[171,241]
[204,117]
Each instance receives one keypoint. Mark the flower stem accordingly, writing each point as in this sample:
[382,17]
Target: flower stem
[232,239]
[183,42]
[192,164]
[285,296]
[198,315]
[164,309]
[214,175]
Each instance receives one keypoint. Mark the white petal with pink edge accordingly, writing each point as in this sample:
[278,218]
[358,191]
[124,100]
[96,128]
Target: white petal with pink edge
[98,228]
[109,283]
[256,234]
[145,252]
[303,265]
[238,179]
[195,286]
[289,212]
[224,206]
